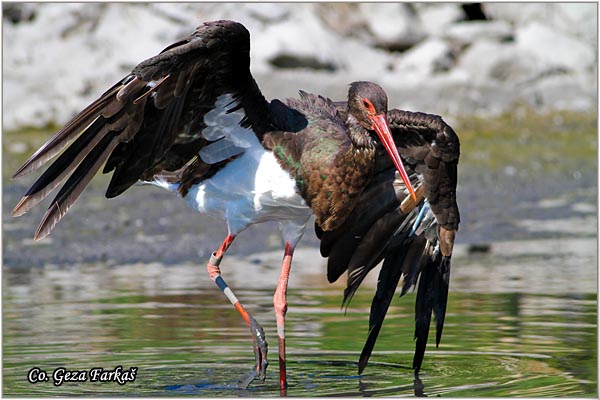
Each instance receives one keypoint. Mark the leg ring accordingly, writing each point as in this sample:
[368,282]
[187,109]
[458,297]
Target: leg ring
[214,260]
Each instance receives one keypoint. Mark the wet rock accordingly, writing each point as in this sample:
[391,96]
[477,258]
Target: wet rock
[344,19]
[278,44]
[270,12]
[69,55]
[17,147]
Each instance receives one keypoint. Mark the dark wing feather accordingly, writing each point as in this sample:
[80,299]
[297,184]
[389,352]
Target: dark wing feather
[151,121]
[433,147]
[414,239]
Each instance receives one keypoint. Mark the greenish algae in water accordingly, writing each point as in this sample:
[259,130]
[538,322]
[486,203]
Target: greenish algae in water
[18,145]
[494,345]
[552,142]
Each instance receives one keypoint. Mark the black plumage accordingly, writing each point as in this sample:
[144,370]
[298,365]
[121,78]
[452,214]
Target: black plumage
[430,150]
[344,157]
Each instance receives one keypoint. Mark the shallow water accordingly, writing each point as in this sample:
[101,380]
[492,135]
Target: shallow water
[184,338]
[122,282]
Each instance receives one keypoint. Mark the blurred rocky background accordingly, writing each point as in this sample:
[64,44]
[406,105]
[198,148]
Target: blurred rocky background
[518,82]
[450,59]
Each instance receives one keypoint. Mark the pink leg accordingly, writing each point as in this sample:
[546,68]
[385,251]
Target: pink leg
[258,334]
[280,304]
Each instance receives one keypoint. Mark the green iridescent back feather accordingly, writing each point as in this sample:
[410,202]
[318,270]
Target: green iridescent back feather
[322,159]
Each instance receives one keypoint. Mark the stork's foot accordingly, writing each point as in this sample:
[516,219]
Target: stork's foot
[260,349]
[258,334]
[418,386]
[245,379]
[260,353]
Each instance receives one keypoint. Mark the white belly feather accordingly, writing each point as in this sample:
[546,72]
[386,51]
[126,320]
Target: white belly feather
[251,189]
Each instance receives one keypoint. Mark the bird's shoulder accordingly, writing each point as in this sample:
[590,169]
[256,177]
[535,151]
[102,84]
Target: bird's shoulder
[309,127]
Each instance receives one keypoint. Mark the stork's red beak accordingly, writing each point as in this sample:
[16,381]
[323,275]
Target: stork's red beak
[382,128]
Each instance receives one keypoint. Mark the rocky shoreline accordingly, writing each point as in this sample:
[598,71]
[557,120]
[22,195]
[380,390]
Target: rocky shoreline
[448,59]
[58,57]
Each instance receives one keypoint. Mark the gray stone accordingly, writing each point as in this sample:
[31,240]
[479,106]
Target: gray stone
[503,62]
[428,57]
[563,92]
[392,25]
[579,20]
[554,48]
[468,32]
[437,17]
[18,12]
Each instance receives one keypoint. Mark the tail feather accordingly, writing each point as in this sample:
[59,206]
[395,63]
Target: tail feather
[75,185]
[432,296]
[441,298]
[423,307]
[369,253]
[395,265]
[335,244]
[372,248]
[388,280]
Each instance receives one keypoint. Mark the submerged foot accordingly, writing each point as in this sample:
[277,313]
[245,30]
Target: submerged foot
[260,354]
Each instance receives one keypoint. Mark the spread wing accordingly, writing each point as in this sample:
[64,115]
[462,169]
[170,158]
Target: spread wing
[413,239]
[155,120]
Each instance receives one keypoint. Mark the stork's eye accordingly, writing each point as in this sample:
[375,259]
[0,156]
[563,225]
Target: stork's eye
[368,105]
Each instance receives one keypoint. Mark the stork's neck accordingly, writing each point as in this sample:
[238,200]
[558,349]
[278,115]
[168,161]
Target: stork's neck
[359,136]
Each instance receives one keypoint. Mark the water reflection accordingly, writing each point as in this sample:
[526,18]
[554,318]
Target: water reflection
[180,332]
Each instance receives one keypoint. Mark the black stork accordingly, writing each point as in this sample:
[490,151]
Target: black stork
[381,183]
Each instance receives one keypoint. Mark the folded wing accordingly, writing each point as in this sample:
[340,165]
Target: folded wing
[414,239]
